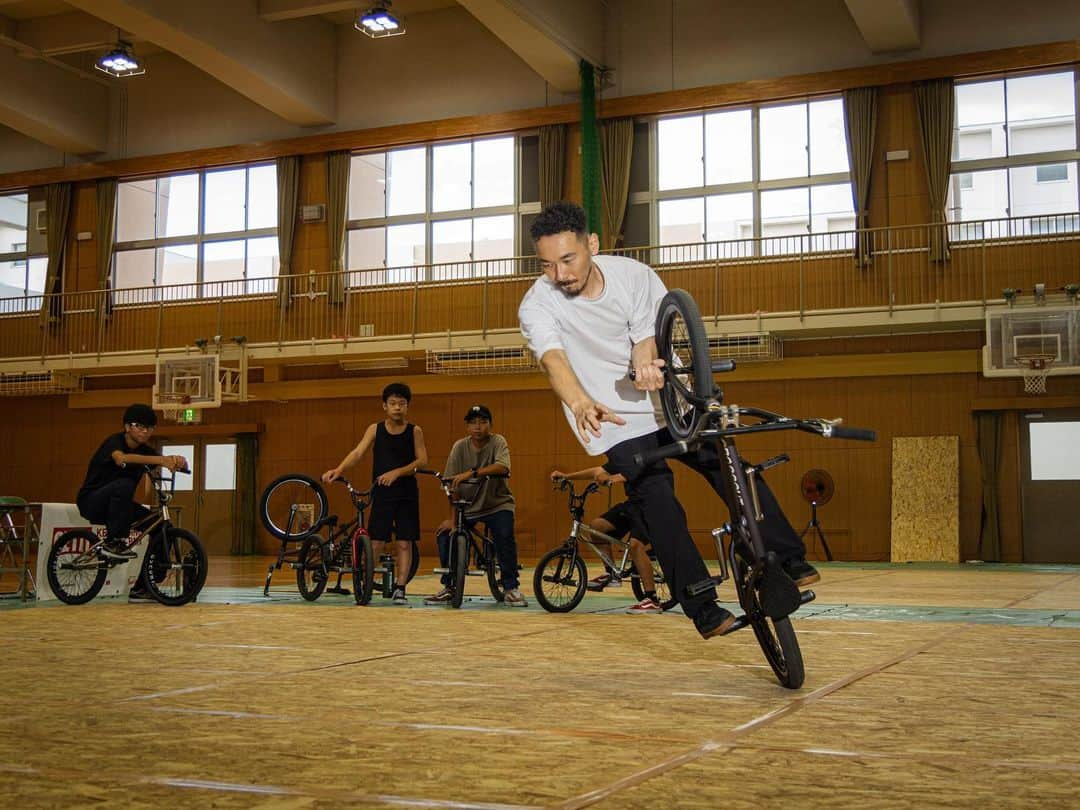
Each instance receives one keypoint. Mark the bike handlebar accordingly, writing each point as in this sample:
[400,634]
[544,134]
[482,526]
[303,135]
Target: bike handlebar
[858,434]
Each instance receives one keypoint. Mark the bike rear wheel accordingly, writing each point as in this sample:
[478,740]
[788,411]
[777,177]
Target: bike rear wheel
[560,579]
[291,506]
[663,592]
[775,636]
[363,567]
[682,344]
[311,568]
[75,575]
[174,569]
[459,562]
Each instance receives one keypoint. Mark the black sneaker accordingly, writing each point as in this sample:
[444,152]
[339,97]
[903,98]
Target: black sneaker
[140,595]
[399,597]
[117,550]
[713,620]
[801,572]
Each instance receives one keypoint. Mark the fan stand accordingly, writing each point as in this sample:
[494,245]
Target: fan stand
[816,526]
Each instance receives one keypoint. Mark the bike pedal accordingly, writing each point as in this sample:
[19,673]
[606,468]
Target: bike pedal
[700,588]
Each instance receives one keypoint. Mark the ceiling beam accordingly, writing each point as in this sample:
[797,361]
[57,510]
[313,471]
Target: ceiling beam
[551,38]
[52,106]
[887,25]
[278,10]
[58,34]
[287,68]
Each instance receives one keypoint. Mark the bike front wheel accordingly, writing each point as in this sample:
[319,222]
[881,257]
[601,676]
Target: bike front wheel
[363,567]
[682,344]
[560,579]
[459,562]
[494,572]
[775,636]
[292,505]
[311,570]
[174,570]
[76,575]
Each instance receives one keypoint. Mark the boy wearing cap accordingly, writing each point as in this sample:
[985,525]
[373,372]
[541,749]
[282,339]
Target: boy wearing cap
[114,472]
[481,453]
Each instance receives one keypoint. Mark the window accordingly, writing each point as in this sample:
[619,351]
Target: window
[436,212]
[197,234]
[779,172]
[1015,155]
[22,272]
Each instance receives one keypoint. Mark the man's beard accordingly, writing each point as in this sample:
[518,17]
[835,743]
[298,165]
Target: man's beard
[565,286]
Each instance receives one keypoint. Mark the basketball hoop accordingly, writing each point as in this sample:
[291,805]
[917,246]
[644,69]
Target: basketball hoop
[1034,370]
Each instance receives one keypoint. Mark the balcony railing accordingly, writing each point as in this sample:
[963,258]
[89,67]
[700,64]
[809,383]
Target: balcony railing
[797,275]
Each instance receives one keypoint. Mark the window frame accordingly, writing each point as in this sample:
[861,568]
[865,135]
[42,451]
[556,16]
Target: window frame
[25,257]
[359,277]
[1009,162]
[755,186]
[203,289]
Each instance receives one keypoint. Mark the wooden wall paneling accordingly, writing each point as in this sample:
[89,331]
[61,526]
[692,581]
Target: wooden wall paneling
[1010,518]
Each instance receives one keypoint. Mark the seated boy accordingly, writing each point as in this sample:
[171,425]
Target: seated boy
[108,494]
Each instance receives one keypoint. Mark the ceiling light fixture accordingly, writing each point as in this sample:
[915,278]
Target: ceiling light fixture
[378,21]
[120,61]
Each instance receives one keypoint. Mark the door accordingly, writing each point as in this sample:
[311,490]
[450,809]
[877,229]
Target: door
[1050,485]
[207,497]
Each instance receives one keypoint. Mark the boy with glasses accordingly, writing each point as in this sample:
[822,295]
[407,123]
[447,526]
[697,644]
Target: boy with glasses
[108,493]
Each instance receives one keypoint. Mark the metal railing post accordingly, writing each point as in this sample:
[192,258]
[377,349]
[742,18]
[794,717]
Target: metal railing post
[889,292]
[160,318]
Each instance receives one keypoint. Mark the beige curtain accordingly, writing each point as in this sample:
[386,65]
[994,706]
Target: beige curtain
[106,238]
[247,455]
[988,430]
[934,103]
[860,124]
[337,215]
[552,163]
[57,218]
[616,149]
[288,190]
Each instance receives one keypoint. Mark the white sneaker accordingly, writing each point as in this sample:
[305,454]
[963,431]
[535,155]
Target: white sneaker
[513,598]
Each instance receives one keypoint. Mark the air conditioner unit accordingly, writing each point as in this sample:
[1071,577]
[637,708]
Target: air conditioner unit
[312,213]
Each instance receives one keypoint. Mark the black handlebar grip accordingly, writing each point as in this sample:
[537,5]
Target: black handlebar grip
[720,366]
[858,434]
[658,453]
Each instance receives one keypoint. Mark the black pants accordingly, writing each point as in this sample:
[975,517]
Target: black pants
[653,488]
[114,506]
[501,526]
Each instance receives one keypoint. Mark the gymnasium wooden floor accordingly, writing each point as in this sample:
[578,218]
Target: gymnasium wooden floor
[926,686]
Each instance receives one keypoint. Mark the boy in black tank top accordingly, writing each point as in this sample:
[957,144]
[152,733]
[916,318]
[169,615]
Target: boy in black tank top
[398,451]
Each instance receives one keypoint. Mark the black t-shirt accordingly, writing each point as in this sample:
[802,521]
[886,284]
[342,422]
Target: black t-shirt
[390,452]
[103,470]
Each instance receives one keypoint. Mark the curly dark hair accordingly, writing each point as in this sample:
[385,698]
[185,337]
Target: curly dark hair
[559,217]
[397,390]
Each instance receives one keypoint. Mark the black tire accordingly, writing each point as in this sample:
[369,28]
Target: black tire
[494,572]
[682,344]
[75,575]
[560,579]
[775,636]
[663,592]
[279,498]
[459,564]
[414,564]
[363,567]
[174,568]
[311,569]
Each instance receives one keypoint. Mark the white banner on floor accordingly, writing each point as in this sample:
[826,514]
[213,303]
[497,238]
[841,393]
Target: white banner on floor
[58,518]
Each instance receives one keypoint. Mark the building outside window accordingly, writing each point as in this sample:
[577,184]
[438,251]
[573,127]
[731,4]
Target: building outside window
[439,211]
[776,172]
[22,273]
[197,234]
[1015,155]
